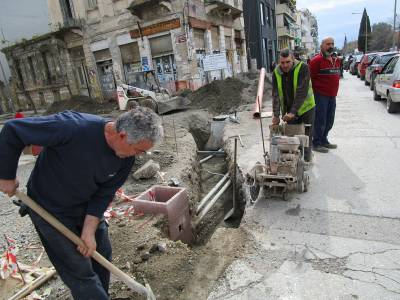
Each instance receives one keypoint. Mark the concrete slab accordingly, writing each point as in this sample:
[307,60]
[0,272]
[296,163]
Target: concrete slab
[340,240]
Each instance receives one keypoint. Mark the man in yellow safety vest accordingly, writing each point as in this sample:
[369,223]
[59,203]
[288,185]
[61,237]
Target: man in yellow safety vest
[292,94]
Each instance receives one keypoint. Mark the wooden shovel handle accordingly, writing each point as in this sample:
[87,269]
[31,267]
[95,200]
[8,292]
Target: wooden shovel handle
[77,241]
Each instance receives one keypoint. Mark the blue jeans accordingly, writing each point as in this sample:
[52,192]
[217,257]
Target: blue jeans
[324,118]
[86,279]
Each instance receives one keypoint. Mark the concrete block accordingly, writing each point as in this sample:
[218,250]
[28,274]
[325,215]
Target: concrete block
[171,202]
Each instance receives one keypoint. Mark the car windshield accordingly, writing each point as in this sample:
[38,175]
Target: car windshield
[371,57]
[385,58]
[359,57]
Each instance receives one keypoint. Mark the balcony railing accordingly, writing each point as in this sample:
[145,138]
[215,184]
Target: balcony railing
[225,7]
[136,7]
[285,31]
[284,9]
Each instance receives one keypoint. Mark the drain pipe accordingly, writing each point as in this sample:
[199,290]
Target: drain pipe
[211,193]
[208,157]
[211,203]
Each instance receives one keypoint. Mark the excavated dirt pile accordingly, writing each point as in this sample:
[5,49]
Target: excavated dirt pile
[220,96]
[82,104]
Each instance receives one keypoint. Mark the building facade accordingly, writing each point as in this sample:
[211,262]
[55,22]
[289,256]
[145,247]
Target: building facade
[122,38]
[260,28]
[286,18]
[309,33]
[43,70]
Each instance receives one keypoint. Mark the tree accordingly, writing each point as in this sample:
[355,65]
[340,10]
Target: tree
[381,37]
[344,50]
[364,34]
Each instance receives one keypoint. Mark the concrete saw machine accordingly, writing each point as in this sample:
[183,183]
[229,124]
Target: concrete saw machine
[284,168]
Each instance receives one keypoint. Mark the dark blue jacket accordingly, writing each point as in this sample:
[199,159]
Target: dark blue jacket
[77,173]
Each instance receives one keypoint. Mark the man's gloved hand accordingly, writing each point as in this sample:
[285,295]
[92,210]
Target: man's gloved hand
[275,120]
[9,186]
[288,117]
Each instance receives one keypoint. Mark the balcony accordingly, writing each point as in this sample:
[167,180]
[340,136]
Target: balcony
[283,9]
[285,31]
[137,7]
[292,3]
[73,23]
[224,7]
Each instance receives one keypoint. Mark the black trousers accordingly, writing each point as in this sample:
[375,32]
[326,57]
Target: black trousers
[86,279]
[308,119]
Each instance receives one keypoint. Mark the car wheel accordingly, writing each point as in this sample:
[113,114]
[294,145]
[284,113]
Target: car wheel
[390,105]
[376,96]
[358,75]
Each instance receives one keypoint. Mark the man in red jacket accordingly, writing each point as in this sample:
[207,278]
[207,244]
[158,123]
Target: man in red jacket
[325,75]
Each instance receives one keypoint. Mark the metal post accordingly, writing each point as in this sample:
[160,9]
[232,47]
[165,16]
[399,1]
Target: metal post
[366,33]
[394,24]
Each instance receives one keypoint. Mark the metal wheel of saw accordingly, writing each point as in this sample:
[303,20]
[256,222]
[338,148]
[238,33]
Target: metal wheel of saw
[306,183]
[254,190]
[300,185]
[149,103]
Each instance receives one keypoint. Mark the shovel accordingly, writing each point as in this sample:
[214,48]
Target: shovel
[232,211]
[145,290]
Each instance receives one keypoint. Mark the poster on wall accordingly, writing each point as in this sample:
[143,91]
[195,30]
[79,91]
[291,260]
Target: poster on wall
[145,64]
[214,62]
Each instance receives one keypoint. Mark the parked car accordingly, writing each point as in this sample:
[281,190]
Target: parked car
[354,64]
[387,84]
[364,63]
[376,66]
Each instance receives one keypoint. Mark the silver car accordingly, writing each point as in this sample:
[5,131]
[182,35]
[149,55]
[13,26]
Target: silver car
[387,84]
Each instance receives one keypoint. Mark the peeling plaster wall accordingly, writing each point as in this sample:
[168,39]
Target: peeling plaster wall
[42,71]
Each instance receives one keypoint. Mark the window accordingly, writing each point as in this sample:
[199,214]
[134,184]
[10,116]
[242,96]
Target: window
[273,18]
[389,68]
[264,56]
[269,16]
[92,4]
[262,14]
[384,59]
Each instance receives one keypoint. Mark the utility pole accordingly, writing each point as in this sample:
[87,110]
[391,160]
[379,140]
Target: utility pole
[394,24]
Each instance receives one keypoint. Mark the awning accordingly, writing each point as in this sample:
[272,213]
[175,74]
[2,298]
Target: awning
[130,53]
[161,45]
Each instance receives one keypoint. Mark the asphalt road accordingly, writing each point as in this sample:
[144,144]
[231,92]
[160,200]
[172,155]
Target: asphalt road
[341,239]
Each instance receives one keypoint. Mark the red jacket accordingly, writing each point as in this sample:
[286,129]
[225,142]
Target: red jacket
[19,115]
[325,75]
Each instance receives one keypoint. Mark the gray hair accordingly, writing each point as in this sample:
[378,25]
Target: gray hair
[140,123]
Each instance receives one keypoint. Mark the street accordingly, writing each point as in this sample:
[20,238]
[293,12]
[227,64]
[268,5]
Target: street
[341,239]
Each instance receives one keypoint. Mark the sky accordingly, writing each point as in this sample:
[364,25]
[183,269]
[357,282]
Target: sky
[22,19]
[335,17]
[25,18]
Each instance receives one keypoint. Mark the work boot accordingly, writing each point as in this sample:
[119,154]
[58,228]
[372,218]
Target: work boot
[320,149]
[330,146]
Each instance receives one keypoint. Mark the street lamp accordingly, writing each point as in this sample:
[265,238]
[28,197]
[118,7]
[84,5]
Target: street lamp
[366,31]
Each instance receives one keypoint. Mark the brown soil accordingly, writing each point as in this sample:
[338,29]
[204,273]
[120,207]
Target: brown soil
[82,104]
[220,96]
[181,272]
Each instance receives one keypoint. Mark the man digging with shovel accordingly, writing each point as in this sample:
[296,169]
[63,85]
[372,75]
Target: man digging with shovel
[84,161]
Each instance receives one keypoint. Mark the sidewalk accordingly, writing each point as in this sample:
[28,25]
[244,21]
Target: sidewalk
[341,239]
